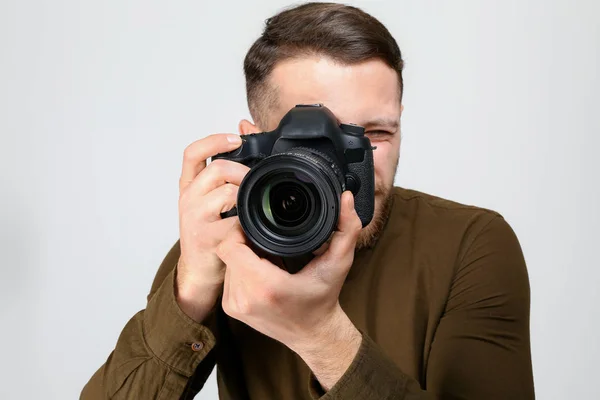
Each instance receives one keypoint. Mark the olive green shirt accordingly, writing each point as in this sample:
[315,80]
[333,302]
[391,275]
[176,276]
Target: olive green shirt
[442,302]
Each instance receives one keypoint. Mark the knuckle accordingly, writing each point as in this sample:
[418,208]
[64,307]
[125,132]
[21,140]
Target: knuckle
[219,162]
[205,241]
[227,307]
[222,248]
[229,189]
[217,167]
[184,198]
[210,241]
[189,152]
[268,295]
[356,224]
[182,183]
[188,208]
[203,214]
[243,168]
[243,306]
[199,233]
[225,192]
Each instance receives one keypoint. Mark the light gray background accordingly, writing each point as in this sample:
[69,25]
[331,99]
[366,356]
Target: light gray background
[99,99]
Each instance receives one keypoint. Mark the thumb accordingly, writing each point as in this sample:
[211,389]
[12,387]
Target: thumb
[336,261]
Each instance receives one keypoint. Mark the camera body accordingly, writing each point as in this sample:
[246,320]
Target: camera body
[289,202]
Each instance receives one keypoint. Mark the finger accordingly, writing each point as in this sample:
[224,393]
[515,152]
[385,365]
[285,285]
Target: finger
[218,172]
[233,233]
[349,227]
[196,154]
[196,234]
[321,250]
[234,251]
[236,235]
[219,200]
[220,228]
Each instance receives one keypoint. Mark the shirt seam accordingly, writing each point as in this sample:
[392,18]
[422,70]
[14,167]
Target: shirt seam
[468,246]
[455,206]
[458,262]
[164,384]
[451,282]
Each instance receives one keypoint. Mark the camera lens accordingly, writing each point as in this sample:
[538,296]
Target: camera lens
[286,204]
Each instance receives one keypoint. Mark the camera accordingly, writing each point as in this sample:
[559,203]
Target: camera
[289,202]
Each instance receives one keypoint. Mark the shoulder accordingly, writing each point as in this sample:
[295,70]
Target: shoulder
[429,211]
[439,224]
[449,245]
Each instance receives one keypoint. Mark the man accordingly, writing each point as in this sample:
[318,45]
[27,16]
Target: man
[430,300]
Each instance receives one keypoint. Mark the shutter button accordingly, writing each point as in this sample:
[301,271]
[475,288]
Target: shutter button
[197,346]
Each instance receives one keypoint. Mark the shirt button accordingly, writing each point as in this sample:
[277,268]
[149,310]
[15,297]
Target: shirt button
[197,346]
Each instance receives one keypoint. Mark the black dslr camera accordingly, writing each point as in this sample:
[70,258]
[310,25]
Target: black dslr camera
[289,202]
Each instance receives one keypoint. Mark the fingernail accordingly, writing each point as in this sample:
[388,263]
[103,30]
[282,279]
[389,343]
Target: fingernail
[234,139]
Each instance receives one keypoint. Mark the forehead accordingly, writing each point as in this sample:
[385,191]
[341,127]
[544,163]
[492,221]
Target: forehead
[354,93]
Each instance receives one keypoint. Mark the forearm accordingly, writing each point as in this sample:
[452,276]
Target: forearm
[130,372]
[154,354]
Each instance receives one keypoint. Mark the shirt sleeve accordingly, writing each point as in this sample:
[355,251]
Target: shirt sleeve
[481,349]
[161,353]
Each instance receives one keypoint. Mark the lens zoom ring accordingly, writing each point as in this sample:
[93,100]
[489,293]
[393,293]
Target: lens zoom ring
[321,159]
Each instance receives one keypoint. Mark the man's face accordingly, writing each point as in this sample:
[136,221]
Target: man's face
[366,94]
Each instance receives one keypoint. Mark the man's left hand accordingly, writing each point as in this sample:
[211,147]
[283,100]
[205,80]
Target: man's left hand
[300,310]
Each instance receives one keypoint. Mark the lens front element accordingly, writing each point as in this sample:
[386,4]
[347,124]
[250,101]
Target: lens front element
[286,204]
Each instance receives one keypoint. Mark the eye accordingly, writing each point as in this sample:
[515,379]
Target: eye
[379,135]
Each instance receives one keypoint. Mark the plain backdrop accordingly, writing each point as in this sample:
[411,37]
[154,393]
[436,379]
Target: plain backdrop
[98,99]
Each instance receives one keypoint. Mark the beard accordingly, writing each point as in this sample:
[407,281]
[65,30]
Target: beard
[383,204]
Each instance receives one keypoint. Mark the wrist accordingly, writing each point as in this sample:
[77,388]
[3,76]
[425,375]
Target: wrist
[336,334]
[198,300]
[330,353]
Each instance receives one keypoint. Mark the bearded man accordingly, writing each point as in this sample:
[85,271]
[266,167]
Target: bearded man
[430,300]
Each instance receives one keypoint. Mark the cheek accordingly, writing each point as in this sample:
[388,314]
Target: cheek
[384,158]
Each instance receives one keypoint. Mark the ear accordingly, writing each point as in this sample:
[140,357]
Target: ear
[246,127]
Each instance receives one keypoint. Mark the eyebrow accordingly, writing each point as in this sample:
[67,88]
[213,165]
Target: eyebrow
[382,122]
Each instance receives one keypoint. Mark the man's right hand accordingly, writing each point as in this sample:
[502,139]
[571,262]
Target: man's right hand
[204,193]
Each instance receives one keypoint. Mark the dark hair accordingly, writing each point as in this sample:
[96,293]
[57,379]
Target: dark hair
[344,33]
